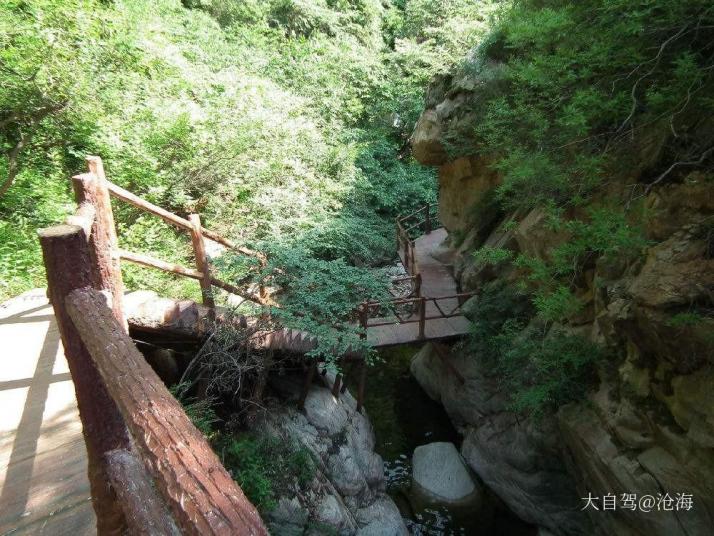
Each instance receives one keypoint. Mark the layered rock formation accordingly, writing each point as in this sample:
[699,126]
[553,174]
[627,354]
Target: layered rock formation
[648,427]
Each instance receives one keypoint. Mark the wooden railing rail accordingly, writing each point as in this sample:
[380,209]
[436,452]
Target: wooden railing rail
[94,189]
[150,470]
[422,220]
[374,309]
[405,245]
[189,478]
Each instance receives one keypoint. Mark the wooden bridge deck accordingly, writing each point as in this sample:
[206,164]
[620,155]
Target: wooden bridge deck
[436,280]
[43,465]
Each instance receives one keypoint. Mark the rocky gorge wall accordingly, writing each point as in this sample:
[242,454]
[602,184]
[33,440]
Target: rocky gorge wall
[647,428]
[347,493]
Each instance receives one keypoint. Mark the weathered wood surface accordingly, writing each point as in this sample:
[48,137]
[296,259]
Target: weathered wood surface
[68,266]
[43,462]
[201,494]
[145,513]
[91,188]
[199,252]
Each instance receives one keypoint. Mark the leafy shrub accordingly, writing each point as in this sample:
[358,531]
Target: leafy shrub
[266,467]
[541,368]
[201,412]
[544,370]
[491,255]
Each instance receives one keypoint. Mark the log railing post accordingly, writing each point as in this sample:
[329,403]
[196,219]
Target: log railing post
[199,251]
[417,285]
[92,188]
[406,253]
[422,316]
[200,494]
[68,265]
[427,221]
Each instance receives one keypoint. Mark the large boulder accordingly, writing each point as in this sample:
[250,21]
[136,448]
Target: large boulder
[439,469]
[518,459]
[615,447]
[426,140]
[347,495]
[676,272]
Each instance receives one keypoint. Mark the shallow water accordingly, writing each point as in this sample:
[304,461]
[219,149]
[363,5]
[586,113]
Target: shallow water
[404,417]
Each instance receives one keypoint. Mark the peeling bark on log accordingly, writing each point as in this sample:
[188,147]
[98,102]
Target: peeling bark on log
[145,512]
[67,263]
[203,497]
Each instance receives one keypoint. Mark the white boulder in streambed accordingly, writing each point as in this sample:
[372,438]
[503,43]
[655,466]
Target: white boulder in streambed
[439,469]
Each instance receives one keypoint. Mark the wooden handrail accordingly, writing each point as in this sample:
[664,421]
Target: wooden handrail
[187,474]
[138,202]
[197,232]
[401,301]
[146,260]
[417,211]
[178,221]
[368,306]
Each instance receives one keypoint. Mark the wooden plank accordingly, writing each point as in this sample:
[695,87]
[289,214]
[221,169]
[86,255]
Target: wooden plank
[43,461]
[151,262]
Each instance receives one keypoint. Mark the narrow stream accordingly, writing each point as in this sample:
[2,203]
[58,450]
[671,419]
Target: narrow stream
[404,417]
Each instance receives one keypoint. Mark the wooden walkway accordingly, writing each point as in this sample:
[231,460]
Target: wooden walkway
[43,475]
[436,280]
[43,466]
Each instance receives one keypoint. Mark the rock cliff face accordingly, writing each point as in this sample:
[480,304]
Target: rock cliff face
[648,428]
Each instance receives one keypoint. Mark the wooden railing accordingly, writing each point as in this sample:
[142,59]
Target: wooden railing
[150,470]
[95,181]
[388,314]
[421,221]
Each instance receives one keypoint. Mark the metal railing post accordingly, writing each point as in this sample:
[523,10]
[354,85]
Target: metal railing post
[422,317]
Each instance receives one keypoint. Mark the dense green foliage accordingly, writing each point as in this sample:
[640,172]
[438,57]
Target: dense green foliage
[266,467]
[540,365]
[592,89]
[200,411]
[582,107]
[589,101]
[282,121]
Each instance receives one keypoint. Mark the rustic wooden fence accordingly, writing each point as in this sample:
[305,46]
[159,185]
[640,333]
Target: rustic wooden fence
[418,222]
[150,470]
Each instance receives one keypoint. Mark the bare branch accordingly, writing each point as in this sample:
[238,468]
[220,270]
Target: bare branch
[656,60]
[12,164]
[662,176]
